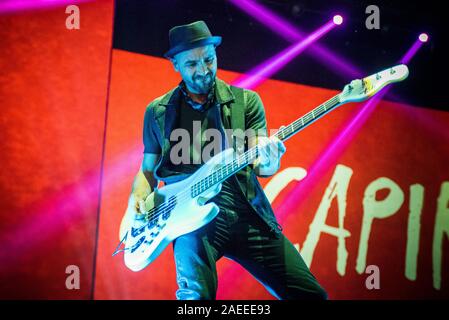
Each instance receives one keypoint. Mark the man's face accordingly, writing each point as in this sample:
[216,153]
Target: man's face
[197,67]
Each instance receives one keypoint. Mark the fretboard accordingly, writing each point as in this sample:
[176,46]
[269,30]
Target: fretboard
[246,158]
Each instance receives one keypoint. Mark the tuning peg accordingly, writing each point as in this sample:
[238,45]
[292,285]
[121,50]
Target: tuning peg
[378,76]
[392,71]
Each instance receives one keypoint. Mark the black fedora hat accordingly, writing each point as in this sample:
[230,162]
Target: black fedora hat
[189,36]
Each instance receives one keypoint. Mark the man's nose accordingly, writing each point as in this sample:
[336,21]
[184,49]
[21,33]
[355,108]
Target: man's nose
[202,69]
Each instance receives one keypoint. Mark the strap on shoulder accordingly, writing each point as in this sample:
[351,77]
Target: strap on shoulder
[238,114]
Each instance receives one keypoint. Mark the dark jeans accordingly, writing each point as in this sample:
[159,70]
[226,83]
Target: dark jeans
[244,238]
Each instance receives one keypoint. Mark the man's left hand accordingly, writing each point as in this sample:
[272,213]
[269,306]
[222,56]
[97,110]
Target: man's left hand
[270,153]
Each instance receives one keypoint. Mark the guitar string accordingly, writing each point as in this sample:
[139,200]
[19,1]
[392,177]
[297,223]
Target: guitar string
[156,212]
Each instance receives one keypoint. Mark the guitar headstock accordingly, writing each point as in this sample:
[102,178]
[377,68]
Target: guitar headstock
[361,89]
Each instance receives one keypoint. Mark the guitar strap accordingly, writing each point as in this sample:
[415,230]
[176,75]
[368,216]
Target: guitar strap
[237,112]
[237,115]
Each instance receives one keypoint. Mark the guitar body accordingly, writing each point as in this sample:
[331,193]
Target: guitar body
[181,213]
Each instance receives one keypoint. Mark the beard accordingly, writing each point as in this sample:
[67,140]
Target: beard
[203,84]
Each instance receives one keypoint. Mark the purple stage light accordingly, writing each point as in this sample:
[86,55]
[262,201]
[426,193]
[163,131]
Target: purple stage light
[412,51]
[339,144]
[273,65]
[55,212]
[328,157]
[10,6]
[423,37]
[337,64]
[338,19]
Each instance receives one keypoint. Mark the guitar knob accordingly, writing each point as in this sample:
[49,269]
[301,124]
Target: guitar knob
[377,76]
[392,71]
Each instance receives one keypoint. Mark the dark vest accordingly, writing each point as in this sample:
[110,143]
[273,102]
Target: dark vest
[233,106]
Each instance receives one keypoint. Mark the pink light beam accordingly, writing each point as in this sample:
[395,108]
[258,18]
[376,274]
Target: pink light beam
[331,153]
[10,6]
[263,71]
[277,24]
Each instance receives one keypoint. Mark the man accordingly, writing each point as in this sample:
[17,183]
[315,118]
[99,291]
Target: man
[245,230]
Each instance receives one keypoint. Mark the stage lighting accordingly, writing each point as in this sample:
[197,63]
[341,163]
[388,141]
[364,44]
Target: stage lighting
[338,19]
[297,10]
[272,65]
[423,37]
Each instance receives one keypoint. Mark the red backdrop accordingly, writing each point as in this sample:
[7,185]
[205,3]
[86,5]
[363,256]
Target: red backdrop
[56,125]
[53,90]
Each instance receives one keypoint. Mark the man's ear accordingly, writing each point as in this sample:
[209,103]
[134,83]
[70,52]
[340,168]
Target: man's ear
[175,64]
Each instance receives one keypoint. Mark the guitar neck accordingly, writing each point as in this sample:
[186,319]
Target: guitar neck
[248,157]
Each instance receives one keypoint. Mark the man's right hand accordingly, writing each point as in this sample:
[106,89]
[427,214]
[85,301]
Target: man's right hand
[144,182]
[138,202]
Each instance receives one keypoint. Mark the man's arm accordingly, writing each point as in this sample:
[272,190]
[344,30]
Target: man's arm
[144,183]
[268,162]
